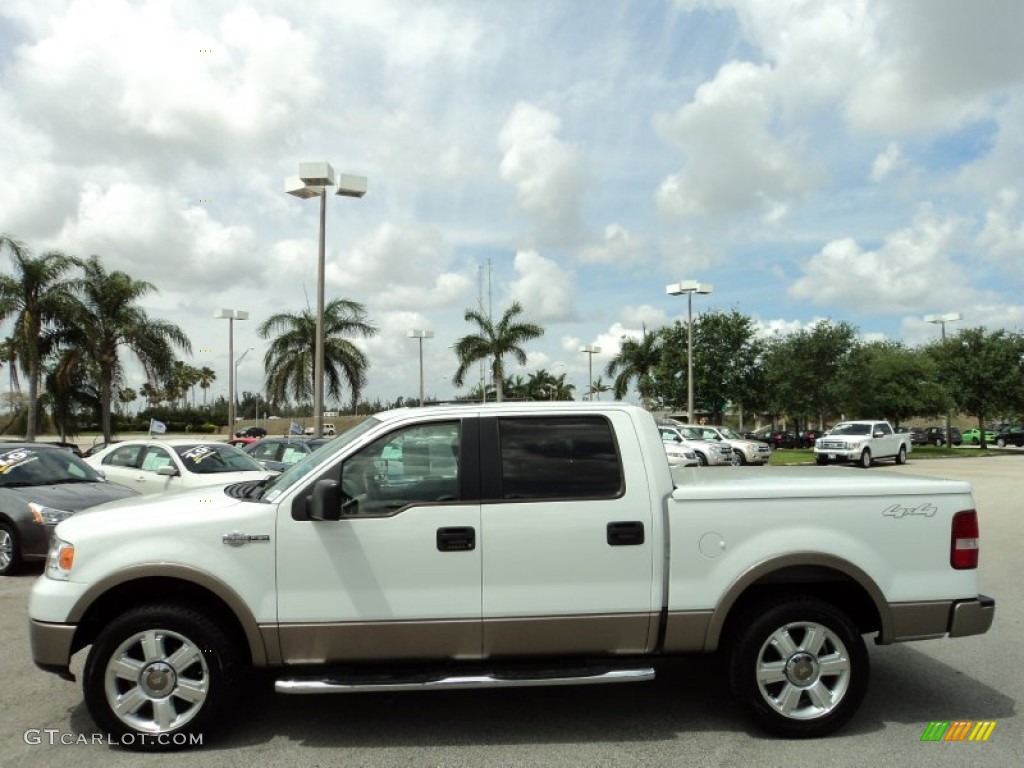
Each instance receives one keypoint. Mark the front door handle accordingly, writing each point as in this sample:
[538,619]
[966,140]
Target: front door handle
[456,539]
[625,534]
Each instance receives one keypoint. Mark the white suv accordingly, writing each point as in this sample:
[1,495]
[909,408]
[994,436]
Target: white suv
[745,451]
[329,430]
[710,451]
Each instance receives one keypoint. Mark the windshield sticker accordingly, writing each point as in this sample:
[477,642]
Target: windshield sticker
[198,454]
[16,458]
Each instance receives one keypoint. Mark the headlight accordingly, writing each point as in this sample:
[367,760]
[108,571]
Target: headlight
[59,559]
[47,515]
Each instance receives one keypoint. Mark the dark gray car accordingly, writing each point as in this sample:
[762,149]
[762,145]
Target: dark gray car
[40,485]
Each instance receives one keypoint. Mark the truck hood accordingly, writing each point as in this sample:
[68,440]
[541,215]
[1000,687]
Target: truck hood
[803,482]
[177,509]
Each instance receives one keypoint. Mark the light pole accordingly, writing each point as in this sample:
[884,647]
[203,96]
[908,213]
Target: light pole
[590,351]
[313,181]
[231,315]
[241,357]
[421,335]
[941,320]
[689,287]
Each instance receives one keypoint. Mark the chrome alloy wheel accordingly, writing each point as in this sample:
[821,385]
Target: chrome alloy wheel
[803,670]
[156,681]
[6,549]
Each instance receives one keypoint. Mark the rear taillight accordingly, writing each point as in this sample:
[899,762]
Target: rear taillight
[963,540]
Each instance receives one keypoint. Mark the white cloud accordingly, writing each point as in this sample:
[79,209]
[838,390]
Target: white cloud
[913,268]
[547,173]
[887,161]
[618,247]
[544,289]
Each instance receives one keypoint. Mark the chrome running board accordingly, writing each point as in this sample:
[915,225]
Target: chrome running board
[450,682]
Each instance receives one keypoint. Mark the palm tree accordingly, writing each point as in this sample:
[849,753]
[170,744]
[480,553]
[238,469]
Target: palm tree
[289,360]
[493,343]
[106,318]
[597,387]
[206,378]
[637,359]
[152,393]
[38,297]
[9,355]
[126,396]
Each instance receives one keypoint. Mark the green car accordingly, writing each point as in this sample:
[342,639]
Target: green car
[973,436]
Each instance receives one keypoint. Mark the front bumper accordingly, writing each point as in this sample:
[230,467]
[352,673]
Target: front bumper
[51,646]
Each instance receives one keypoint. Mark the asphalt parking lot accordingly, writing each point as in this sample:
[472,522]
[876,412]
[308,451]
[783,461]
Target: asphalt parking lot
[683,718]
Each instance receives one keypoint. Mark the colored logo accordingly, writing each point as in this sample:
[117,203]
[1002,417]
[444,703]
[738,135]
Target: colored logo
[958,730]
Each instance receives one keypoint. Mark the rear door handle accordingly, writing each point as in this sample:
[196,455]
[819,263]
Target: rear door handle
[456,539]
[625,534]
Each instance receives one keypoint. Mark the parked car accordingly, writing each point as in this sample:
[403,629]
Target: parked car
[278,453]
[256,432]
[778,438]
[709,452]
[972,436]
[937,436]
[679,455]
[160,466]
[743,451]
[1009,436]
[40,485]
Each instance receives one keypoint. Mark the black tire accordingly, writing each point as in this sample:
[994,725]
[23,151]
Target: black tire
[132,657]
[1000,442]
[822,674]
[702,460]
[10,550]
[865,459]
[821,461]
[901,455]
[975,441]
[741,460]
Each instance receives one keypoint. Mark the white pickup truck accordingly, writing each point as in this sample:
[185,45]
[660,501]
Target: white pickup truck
[502,545]
[863,442]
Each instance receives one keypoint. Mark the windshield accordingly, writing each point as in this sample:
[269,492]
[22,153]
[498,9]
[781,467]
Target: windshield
[730,434]
[43,466]
[296,472]
[211,458]
[851,429]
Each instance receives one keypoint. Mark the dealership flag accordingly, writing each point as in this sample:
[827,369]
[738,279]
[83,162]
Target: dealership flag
[157,427]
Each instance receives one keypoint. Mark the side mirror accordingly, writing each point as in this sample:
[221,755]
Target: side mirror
[326,501]
[167,471]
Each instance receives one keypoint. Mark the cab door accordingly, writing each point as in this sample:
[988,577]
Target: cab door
[397,576]
[569,536]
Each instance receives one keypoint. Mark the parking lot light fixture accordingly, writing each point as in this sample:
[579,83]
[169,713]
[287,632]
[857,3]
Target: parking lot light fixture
[689,287]
[231,315]
[949,317]
[313,181]
[590,350]
[421,335]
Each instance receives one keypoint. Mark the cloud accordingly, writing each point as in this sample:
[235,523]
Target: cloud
[544,289]
[547,173]
[914,268]
[618,247]
[887,161]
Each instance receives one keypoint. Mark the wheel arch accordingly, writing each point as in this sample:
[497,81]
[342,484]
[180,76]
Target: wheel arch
[134,586]
[827,577]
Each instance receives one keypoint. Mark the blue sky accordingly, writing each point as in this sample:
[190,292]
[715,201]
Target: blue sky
[861,161]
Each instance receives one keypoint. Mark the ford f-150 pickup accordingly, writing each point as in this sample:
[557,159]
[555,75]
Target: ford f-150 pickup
[502,545]
[863,442]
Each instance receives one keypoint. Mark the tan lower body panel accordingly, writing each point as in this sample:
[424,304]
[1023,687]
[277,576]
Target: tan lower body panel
[919,621]
[466,639]
[686,631]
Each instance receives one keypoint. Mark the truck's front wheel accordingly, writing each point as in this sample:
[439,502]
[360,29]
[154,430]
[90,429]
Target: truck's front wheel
[901,456]
[865,459]
[157,676]
[799,665]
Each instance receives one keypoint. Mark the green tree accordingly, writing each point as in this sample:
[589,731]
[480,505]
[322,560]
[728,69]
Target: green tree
[126,396]
[289,361]
[206,378]
[106,319]
[983,370]
[493,342]
[637,361]
[894,382]
[597,387]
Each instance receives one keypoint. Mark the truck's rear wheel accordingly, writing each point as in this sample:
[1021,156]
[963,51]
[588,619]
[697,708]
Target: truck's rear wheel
[158,676]
[799,665]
